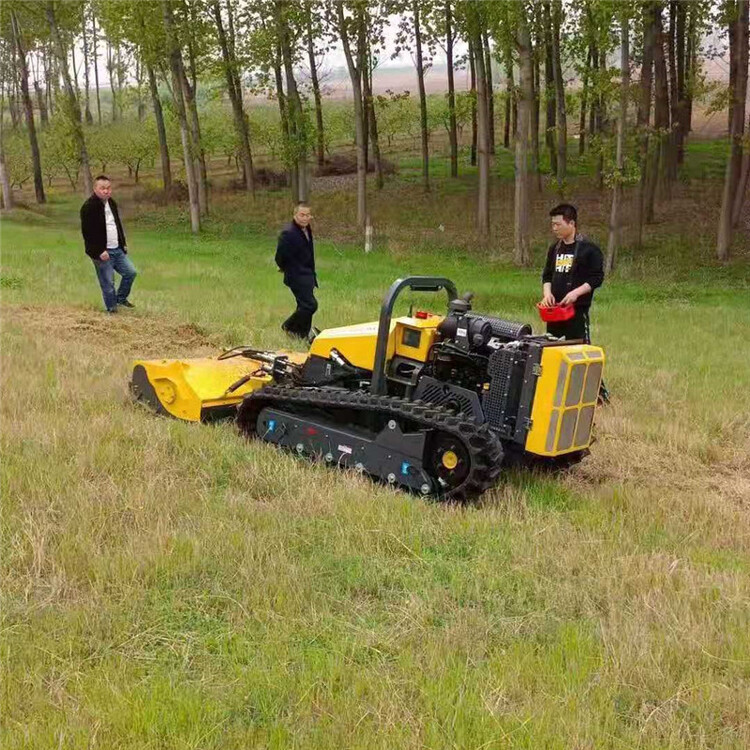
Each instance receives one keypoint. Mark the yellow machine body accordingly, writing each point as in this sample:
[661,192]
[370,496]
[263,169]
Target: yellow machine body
[190,388]
[565,399]
[409,337]
[561,414]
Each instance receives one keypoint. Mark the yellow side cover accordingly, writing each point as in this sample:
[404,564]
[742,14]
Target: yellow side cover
[565,399]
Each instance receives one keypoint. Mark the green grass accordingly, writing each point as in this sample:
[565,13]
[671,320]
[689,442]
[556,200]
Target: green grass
[168,585]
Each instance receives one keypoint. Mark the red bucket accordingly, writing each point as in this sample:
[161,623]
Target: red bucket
[556,313]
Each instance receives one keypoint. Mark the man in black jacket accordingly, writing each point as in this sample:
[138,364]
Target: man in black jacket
[104,239]
[574,269]
[295,257]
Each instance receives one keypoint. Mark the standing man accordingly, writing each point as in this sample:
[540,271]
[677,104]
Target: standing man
[574,269]
[295,257]
[104,240]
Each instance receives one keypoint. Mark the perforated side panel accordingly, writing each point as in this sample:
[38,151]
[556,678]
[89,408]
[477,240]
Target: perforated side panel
[495,402]
[437,392]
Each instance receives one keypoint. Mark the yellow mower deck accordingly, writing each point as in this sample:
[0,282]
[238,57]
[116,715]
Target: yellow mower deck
[197,389]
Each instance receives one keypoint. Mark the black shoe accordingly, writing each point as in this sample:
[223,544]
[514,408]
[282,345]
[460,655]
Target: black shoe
[112,311]
[125,303]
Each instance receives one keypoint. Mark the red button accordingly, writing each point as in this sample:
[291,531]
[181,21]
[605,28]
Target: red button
[422,315]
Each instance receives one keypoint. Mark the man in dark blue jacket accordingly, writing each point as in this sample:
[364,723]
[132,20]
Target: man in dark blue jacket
[573,271]
[295,257]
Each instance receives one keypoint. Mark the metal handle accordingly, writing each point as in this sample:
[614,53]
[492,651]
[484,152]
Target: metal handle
[417,284]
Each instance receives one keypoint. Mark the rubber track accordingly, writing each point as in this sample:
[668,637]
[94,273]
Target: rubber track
[482,445]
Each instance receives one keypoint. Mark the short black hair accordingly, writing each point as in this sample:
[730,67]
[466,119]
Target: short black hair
[568,212]
[101,177]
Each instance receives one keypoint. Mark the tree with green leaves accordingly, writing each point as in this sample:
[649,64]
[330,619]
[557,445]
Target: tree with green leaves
[131,21]
[738,19]
[413,35]
[615,240]
[179,85]
[59,17]
[234,90]
[474,19]
[20,41]
[521,243]
[349,18]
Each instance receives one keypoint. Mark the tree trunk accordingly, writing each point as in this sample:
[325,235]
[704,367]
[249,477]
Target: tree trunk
[674,97]
[741,192]
[615,239]
[510,99]
[96,68]
[373,124]
[283,112]
[320,140]
[192,111]
[660,162]
[731,7]
[235,96]
[87,95]
[690,68]
[452,128]
[562,125]
[4,180]
[161,131]
[601,111]
[521,252]
[733,176]
[596,94]
[197,147]
[643,117]
[141,107]
[422,98]
[111,74]
[28,109]
[549,91]
[473,71]
[483,138]
[119,69]
[41,104]
[72,101]
[365,104]
[584,102]
[359,123]
[534,134]
[295,112]
[178,94]
[490,90]
[682,49]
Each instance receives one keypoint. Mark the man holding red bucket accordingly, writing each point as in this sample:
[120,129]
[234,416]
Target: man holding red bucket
[574,269]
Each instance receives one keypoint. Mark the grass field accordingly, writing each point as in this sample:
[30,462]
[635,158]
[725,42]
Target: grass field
[168,585]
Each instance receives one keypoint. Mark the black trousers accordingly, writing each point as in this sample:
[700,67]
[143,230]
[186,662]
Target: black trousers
[299,322]
[575,328]
[578,327]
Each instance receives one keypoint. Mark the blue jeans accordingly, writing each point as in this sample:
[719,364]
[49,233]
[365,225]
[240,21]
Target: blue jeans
[105,272]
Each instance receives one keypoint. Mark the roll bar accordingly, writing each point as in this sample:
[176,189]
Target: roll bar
[417,284]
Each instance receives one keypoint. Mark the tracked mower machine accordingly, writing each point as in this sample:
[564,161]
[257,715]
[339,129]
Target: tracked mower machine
[436,404]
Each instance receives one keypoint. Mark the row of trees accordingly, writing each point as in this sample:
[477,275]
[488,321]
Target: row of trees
[634,116]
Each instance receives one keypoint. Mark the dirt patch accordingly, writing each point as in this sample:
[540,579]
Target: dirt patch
[125,332]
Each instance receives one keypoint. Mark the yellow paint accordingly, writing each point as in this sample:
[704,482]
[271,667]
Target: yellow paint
[450,460]
[566,389]
[185,386]
[357,343]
